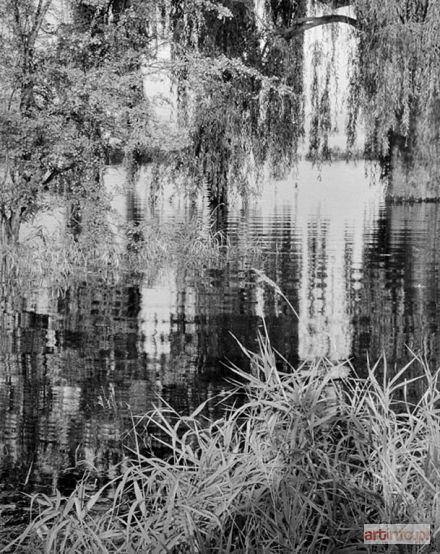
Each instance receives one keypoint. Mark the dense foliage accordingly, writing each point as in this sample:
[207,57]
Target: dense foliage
[68,89]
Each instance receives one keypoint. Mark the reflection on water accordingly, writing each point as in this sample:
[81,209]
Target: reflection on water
[399,307]
[362,275]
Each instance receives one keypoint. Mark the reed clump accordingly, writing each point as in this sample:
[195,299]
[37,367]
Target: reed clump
[301,465]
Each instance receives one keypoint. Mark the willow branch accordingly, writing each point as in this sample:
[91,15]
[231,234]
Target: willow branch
[306,23]
[335,4]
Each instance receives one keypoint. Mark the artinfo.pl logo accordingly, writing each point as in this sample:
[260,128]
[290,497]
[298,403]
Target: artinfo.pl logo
[398,533]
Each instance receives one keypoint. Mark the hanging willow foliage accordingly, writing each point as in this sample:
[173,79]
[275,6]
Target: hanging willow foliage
[398,65]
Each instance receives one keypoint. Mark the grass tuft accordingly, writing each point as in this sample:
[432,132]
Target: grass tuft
[309,458]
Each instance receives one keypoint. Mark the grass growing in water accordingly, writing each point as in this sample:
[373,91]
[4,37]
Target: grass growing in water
[299,467]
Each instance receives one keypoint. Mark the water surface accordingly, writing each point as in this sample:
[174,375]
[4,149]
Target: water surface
[361,275]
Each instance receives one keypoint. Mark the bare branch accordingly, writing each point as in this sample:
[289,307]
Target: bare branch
[18,22]
[55,172]
[40,14]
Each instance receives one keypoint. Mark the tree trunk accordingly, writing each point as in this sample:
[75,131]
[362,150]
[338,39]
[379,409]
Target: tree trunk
[27,82]
[9,228]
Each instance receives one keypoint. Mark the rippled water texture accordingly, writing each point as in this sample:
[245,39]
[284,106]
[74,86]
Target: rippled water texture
[361,275]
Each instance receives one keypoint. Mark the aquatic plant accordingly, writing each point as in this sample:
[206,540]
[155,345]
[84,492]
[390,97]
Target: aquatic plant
[301,465]
[56,259]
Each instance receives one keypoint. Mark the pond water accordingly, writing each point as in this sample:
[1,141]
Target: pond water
[362,275]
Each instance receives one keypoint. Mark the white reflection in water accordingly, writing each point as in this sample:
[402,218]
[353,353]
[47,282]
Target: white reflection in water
[329,211]
[167,306]
[156,306]
[332,210]
[343,206]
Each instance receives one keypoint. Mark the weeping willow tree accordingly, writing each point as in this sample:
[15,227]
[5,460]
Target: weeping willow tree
[396,86]
[243,100]
[242,117]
